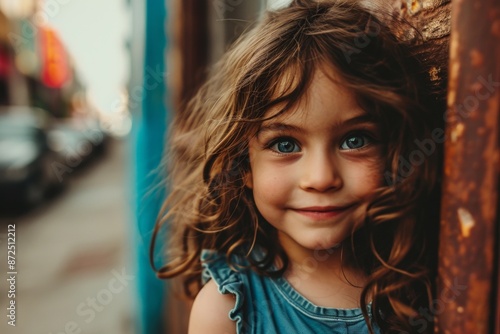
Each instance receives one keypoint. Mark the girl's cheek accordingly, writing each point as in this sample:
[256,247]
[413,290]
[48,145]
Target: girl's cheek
[270,183]
[368,176]
[373,169]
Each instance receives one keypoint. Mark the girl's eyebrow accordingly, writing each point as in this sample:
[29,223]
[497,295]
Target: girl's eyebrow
[280,126]
[362,118]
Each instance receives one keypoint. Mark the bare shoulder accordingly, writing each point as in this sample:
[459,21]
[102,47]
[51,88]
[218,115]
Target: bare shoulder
[209,314]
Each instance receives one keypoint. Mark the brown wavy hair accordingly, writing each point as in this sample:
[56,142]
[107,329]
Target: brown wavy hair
[271,65]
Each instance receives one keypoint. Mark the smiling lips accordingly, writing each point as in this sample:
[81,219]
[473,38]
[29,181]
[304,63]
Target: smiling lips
[322,212]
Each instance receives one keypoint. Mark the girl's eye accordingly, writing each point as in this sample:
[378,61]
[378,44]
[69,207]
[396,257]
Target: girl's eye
[284,146]
[355,142]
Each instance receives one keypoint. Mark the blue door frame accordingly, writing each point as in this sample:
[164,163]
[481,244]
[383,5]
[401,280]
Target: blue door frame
[148,139]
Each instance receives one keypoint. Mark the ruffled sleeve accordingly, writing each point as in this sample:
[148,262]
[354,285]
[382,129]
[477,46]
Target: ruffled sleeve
[227,280]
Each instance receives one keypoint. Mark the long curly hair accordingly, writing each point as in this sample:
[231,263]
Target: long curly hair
[272,65]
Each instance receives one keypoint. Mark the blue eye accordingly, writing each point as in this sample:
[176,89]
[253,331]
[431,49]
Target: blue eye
[355,142]
[285,146]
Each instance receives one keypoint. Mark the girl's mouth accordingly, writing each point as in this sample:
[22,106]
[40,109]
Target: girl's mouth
[322,212]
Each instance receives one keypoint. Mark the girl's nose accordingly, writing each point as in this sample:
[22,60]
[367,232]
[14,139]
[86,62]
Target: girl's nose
[320,172]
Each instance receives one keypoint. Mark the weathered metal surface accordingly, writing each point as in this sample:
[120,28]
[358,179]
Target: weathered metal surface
[496,280]
[431,18]
[466,298]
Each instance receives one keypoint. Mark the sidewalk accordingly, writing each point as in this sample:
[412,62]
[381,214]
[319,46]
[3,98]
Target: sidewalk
[72,257]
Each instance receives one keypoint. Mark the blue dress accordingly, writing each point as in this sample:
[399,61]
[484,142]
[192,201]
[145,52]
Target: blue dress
[273,306]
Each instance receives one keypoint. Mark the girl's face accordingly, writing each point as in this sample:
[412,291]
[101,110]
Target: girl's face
[314,168]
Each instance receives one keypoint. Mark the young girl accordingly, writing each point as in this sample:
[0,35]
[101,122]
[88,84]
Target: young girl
[298,201]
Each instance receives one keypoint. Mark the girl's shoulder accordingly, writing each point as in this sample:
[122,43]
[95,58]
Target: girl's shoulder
[223,289]
[209,313]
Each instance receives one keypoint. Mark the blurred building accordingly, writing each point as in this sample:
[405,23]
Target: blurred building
[35,67]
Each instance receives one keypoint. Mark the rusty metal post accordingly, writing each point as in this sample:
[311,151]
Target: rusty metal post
[496,316]
[468,259]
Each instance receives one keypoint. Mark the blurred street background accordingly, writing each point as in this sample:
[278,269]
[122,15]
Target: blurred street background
[65,167]
[70,250]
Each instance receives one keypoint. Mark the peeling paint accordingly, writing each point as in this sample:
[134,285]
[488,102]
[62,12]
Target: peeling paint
[415,6]
[438,26]
[467,222]
[457,131]
[433,4]
[452,95]
[454,70]
[434,73]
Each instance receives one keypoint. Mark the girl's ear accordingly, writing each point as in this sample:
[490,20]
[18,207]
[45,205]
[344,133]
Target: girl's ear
[248,179]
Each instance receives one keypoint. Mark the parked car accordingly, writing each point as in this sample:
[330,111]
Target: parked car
[27,175]
[77,140]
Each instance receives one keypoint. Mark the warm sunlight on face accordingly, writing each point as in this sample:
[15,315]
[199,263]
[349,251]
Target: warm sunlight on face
[314,168]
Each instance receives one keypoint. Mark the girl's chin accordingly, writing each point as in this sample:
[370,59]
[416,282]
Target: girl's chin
[323,247]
